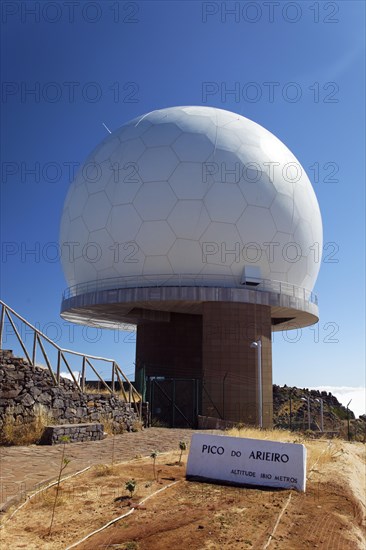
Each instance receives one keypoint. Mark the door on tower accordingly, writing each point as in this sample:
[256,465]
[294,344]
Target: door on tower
[174,402]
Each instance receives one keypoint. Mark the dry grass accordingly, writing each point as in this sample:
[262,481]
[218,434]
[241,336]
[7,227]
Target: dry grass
[14,432]
[95,391]
[320,451]
[103,470]
[47,498]
[271,434]
[137,426]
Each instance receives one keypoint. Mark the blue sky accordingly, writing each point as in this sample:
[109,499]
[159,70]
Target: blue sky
[297,69]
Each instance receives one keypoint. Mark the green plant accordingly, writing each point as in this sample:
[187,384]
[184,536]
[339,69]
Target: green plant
[130,486]
[154,455]
[182,447]
[63,464]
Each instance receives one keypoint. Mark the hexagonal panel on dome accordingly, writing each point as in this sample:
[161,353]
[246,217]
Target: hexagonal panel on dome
[185,256]
[284,213]
[64,226]
[158,265]
[69,269]
[133,129]
[123,223]
[256,225]
[258,193]
[222,167]
[128,151]
[252,158]
[314,262]
[155,238]
[96,211]
[84,270]
[224,202]
[161,134]
[108,273]
[157,164]
[155,201]
[79,196]
[276,252]
[221,244]
[188,181]
[77,233]
[200,111]
[303,198]
[96,176]
[100,249]
[130,259]
[122,192]
[248,130]
[223,117]
[303,236]
[193,147]
[189,219]
[297,272]
[227,140]
[159,116]
[193,124]
[106,148]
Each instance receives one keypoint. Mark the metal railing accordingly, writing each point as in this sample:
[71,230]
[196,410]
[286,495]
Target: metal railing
[204,280]
[131,395]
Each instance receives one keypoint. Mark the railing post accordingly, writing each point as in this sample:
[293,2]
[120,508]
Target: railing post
[83,374]
[2,325]
[34,352]
[58,372]
[113,375]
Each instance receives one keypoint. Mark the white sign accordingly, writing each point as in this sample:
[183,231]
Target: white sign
[247,461]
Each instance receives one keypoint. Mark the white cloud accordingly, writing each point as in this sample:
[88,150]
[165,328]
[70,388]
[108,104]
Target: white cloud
[345,393]
[68,375]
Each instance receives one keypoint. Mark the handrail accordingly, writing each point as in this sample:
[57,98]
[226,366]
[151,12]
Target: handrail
[204,280]
[135,397]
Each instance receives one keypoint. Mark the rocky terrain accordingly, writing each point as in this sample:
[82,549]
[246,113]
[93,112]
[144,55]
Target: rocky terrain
[290,411]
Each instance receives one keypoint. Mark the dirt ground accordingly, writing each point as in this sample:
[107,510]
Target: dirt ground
[330,515]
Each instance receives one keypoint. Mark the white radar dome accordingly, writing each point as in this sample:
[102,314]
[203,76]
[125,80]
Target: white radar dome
[191,191]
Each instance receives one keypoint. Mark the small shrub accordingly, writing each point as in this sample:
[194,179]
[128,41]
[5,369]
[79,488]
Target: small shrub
[154,455]
[64,462]
[130,486]
[182,447]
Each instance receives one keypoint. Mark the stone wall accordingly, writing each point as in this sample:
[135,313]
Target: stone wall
[26,390]
[54,435]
